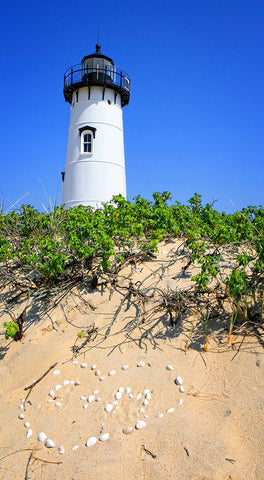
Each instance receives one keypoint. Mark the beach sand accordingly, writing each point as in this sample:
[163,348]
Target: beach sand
[216,433]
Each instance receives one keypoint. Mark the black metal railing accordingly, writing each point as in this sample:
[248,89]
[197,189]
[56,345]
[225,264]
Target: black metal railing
[108,76]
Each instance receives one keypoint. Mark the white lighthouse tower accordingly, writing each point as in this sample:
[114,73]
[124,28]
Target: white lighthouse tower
[95,166]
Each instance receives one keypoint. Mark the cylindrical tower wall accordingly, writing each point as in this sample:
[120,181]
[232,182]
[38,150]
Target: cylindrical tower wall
[95,175]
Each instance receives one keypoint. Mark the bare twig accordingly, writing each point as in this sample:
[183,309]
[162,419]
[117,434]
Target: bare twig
[30,387]
[46,461]
[27,466]
[16,451]
[42,376]
[187,451]
[149,452]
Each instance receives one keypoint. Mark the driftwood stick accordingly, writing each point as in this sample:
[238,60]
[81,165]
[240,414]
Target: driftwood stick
[30,387]
[27,397]
[153,455]
[116,314]
[27,466]
[46,461]
[17,451]
[187,451]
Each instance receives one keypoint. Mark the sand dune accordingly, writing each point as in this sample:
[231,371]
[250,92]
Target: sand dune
[215,434]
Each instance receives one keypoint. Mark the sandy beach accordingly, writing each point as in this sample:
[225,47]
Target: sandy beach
[107,352]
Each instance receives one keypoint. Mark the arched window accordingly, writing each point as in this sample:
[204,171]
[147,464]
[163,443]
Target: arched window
[87,142]
[87,135]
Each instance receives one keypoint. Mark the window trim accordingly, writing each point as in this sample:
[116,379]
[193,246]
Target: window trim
[87,143]
[82,132]
[92,130]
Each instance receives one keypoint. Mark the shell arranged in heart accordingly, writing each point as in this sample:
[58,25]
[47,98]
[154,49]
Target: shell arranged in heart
[91,441]
[104,437]
[141,400]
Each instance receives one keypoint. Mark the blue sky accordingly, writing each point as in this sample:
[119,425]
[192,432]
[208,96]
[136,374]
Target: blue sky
[195,118]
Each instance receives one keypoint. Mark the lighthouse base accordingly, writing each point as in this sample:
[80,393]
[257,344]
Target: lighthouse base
[91,183]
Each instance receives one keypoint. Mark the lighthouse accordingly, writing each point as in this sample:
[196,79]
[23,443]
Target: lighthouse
[97,91]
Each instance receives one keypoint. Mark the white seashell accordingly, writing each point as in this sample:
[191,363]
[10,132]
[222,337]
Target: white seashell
[91,441]
[51,394]
[146,402]
[127,390]
[180,402]
[29,433]
[146,416]
[138,397]
[66,382]
[85,406]
[50,400]
[72,382]
[146,391]
[164,252]
[61,449]
[97,373]
[104,437]
[93,367]
[21,407]
[140,424]
[55,373]
[178,380]
[83,365]
[42,437]
[121,389]
[160,415]
[75,447]
[58,404]
[21,416]
[49,443]
[101,379]
[75,362]
[57,387]
[131,395]
[23,400]
[98,399]
[148,396]
[27,424]
[118,395]
[76,383]
[181,389]
[142,410]
[111,373]
[96,392]
[141,364]
[124,367]
[108,408]
[169,367]
[90,398]
[83,398]
[128,430]
[115,402]
[170,410]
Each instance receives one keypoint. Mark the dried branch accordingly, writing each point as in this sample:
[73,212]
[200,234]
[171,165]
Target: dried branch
[46,461]
[153,455]
[17,451]
[30,387]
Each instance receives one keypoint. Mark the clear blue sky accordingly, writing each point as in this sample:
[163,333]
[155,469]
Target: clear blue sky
[195,122]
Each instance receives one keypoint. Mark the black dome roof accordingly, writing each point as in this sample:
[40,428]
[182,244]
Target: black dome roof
[98,54]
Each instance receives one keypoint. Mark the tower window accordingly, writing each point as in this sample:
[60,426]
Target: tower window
[87,135]
[87,142]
